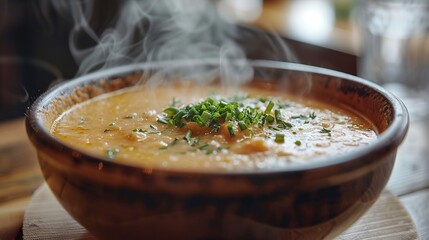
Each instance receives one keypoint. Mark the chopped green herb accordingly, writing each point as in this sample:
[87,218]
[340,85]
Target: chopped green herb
[204,146]
[269,119]
[139,130]
[277,115]
[299,117]
[231,130]
[161,119]
[262,100]
[188,136]
[279,138]
[153,127]
[214,112]
[154,132]
[171,111]
[269,107]
[304,117]
[196,142]
[324,130]
[298,143]
[242,126]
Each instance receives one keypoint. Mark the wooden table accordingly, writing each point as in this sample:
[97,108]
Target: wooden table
[20,176]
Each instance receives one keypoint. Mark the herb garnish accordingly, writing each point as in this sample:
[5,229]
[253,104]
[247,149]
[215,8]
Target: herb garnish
[188,136]
[279,138]
[234,113]
[324,130]
[140,130]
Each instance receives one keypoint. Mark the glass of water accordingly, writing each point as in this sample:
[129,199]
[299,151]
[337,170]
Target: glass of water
[395,48]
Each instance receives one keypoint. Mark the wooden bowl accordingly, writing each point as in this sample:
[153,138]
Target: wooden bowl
[315,200]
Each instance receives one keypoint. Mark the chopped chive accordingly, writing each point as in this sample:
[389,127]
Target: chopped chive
[299,117]
[139,130]
[162,120]
[312,115]
[269,107]
[231,130]
[228,116]
[188,136]
[262,100]
[284,125]
[270,119]
[242,126]
[171,111]
[274,128]
[206,116]
[250,132]
[324,130]
[204,146]
[277,115]
[213,112]
[198,119]
[196,142]
[153,127]
[279,138]
[298,143]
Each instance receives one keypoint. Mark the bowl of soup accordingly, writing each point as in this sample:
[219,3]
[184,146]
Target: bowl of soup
[150,151]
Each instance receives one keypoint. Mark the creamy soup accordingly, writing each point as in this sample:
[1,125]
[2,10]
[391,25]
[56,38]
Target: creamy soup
[210,129]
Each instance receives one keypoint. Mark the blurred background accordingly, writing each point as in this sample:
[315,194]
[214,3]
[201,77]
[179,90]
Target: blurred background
[35,39]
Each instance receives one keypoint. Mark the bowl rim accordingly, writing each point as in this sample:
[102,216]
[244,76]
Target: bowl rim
[388,139]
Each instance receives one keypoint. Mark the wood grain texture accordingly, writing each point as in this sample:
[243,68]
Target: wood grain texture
[19,176]
[417,205]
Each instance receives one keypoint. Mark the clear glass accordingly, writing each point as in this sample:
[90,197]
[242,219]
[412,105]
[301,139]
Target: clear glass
[395,49]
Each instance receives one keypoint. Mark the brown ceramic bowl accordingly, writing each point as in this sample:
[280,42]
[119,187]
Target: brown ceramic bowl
[315,200]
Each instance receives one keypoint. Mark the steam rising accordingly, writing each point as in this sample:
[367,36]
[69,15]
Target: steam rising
[148,31]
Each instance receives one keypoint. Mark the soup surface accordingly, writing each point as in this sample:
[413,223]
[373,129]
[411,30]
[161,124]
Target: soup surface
[187,127]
